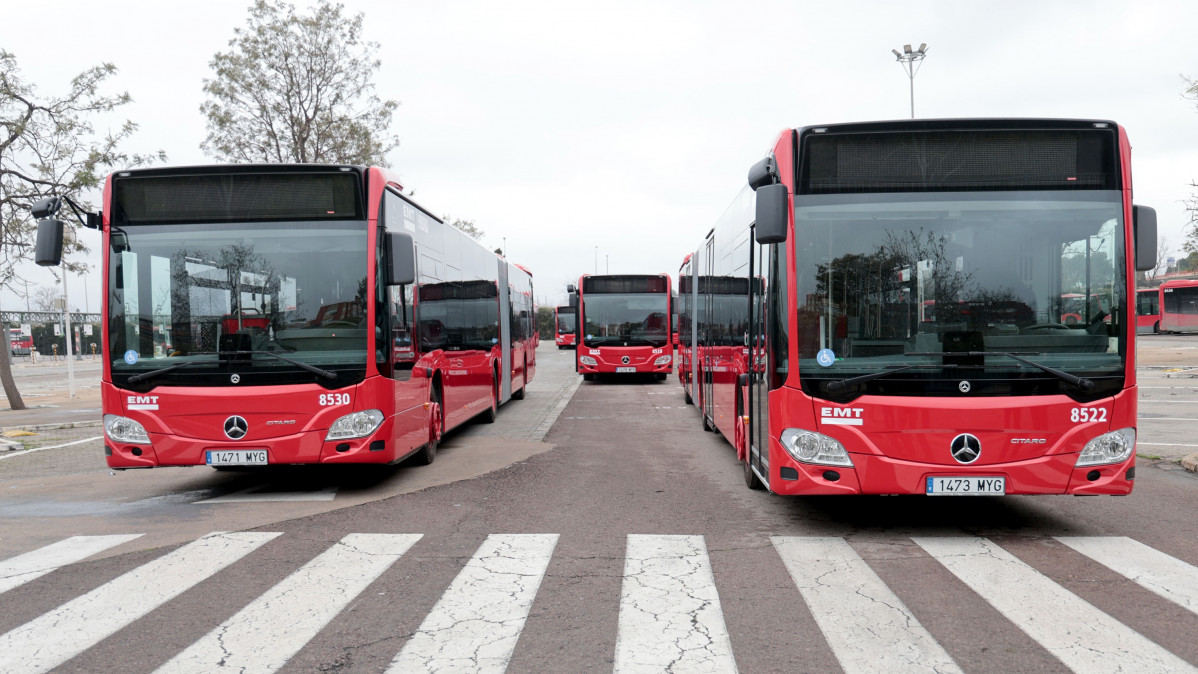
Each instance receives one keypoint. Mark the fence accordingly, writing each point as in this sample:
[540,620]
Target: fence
[49,341]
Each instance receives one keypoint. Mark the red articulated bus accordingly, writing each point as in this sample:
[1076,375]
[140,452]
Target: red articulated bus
[1179,305]
[624,325]
[817,354]
[316,315]
[1148,310]
[565,320]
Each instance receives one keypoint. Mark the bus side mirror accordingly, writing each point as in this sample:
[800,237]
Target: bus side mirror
[762,173]
[572,294]
[49,243]
[773,207]
[1143,226]
[401,259]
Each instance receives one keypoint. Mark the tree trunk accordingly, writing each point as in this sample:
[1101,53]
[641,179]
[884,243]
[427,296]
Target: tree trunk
[10,385]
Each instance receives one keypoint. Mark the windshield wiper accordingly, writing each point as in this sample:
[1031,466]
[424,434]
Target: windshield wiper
[842,383]
[302,365]
[1081,382]
[170,368]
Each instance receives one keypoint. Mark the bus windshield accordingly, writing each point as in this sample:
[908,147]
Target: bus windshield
[936,279]
[625,319]
[210,294]
[567,321]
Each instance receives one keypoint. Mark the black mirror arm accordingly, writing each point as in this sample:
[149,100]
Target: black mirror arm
[86,218]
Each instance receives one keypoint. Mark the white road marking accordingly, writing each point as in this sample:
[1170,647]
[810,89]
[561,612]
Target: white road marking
[256,494]
[475,624]
[34,564]
[263,636]
[1082,637]
[1163,444]
[670,615]
[1143,419]
[55,637]
[10,455]
[867,626]
[1167,576]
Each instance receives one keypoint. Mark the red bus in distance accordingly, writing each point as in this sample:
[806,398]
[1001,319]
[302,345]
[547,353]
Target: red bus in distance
[1148,310]
[624,325]
[1179,305]
[565,322]
[879,311]
[315,315]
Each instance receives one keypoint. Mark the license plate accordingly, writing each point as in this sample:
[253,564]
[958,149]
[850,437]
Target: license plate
[967,486]
[625,369]
[236,457]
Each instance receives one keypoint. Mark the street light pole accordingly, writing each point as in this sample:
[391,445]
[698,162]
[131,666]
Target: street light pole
[908,59]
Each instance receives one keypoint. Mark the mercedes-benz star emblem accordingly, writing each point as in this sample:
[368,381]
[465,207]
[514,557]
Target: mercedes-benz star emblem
[966,448]
[624,360]
[236,428]
[964,386]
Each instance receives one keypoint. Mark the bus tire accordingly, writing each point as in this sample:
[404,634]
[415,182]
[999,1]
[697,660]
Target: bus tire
[707,425]
[428,453]
[686,396]
[1156,328]
[588,376]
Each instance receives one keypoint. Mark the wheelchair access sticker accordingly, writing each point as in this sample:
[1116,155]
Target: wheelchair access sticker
[825,357]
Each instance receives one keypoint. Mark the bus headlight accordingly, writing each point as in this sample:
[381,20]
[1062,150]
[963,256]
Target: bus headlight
[587,360]
[662,360]
[811,447]
[1110,447]
[356,425]
[124,429]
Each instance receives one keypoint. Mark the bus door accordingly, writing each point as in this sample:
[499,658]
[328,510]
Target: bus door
[505,334]
[708,316]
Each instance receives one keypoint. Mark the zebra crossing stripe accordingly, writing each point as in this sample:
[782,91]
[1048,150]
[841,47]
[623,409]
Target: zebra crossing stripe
[475,624]
[24,568]
[1167,576]
[670,616]
[55,637]
[1082,637]
[263,636]
[868,628]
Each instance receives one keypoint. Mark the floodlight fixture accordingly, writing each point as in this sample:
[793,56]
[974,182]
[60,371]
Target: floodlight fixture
[908,60]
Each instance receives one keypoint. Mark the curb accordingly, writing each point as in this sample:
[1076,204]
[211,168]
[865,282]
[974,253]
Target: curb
[52,427]
[1190,463]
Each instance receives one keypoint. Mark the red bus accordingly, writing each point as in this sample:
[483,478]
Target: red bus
[1148,310]
[624,325]
[565,320]
[821,363]
[1179,305]
[315,313]
[19,344]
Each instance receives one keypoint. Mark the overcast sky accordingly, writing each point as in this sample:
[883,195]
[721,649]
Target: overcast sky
[619,131]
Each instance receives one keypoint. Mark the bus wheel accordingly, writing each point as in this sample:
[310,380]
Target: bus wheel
[428,453]
[588,376]
[661,376]
[751,479]
[490,415]
[707,425]
[1156,328]
[686,395]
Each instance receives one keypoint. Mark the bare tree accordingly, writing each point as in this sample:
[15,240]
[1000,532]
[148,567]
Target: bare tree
[45,298]
[48,146]
[467,226]
[297,88]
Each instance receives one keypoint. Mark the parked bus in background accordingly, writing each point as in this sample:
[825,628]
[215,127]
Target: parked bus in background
[19,344]
[1148,310]
[315,315]
[565,318]
[820,275]
[1179,305]
[624,325]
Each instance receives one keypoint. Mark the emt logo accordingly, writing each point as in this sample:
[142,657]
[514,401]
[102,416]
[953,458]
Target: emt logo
[841,416]
[142,403]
